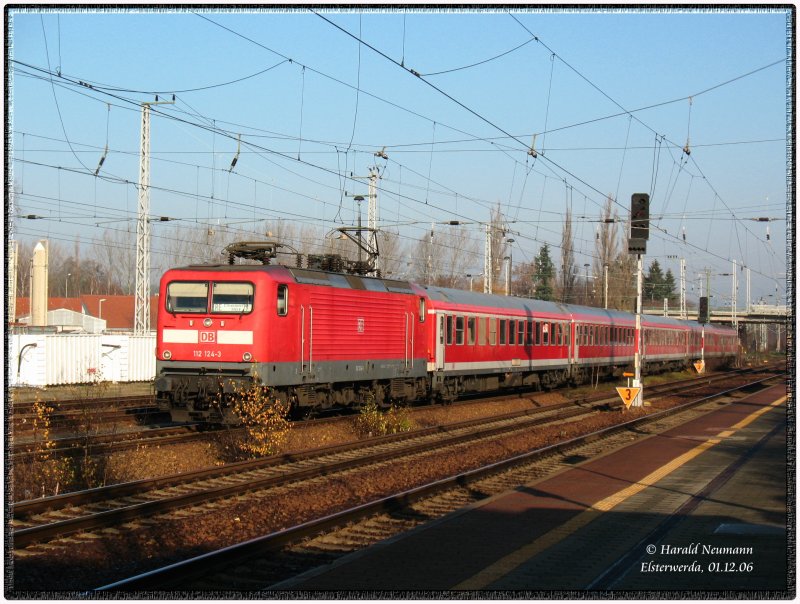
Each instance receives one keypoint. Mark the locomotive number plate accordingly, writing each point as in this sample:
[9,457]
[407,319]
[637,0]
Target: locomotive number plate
[207,354]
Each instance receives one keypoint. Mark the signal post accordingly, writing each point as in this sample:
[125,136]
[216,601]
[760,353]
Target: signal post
[637,244]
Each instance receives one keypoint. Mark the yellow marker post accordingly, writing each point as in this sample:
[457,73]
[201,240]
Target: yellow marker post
[628,394]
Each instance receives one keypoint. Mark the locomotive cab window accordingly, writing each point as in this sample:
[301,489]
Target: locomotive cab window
[187,297]
[283,300]
[422,310]
[227,297]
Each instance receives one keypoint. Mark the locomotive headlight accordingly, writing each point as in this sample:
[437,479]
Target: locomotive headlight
[166,355]
[207,322]
[246,357]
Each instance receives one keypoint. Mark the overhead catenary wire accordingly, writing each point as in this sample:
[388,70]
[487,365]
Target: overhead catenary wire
[429,185]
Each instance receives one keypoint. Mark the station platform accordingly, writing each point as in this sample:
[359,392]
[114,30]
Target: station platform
[702,507]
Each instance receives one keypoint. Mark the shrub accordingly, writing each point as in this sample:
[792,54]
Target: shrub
[43,473]
[371,421]
[264,420]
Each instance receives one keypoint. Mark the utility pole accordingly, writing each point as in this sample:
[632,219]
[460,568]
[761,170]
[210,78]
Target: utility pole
[487,261]
[605,285]
[509,264]
[13,253]
[683,288]
[733,296]
[430,257]
[372,209]
[141,325]
[372,214]
[747,291]
[637,379]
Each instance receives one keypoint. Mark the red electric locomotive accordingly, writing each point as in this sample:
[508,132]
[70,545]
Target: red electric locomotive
[316,338]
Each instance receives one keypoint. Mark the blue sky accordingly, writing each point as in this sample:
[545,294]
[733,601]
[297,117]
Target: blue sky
[455,150]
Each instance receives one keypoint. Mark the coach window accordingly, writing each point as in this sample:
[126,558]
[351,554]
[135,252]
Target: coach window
[492,331]
[471,331]
[545,334]
[482,322]
[503,331]
[529,339]
[459,330]
[559,334]
[512,331]
[449,329]
[520,332]
[283,300]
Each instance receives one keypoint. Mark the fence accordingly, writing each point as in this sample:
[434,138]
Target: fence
[54,359]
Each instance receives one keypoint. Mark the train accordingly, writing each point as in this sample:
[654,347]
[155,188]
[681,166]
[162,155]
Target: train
[317,339]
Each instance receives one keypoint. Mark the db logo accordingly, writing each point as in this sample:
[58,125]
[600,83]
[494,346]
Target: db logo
[208,336]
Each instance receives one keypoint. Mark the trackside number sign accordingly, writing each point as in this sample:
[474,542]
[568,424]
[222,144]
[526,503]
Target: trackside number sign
[628,395]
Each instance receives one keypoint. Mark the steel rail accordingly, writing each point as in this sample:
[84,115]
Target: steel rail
[169,576]
[26,536]
[26,509]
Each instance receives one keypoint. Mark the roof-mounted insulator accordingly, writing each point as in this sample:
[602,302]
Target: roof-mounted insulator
[238,150]
[532,151]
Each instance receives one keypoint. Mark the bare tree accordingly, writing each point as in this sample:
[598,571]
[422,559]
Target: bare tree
[497,229]
[442,257]
[116,254]
[606,247]
[568,273]
[24,264]
[393,254]
[524,279]
[623,278]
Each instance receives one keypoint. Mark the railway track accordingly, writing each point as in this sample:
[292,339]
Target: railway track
[107,443]
[44,519]
[112,506]
[78,414]
[271,561]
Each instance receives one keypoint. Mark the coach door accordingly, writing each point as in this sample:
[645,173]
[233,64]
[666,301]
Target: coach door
[440,334]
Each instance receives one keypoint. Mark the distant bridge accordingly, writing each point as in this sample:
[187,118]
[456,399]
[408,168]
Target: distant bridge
[755,314]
